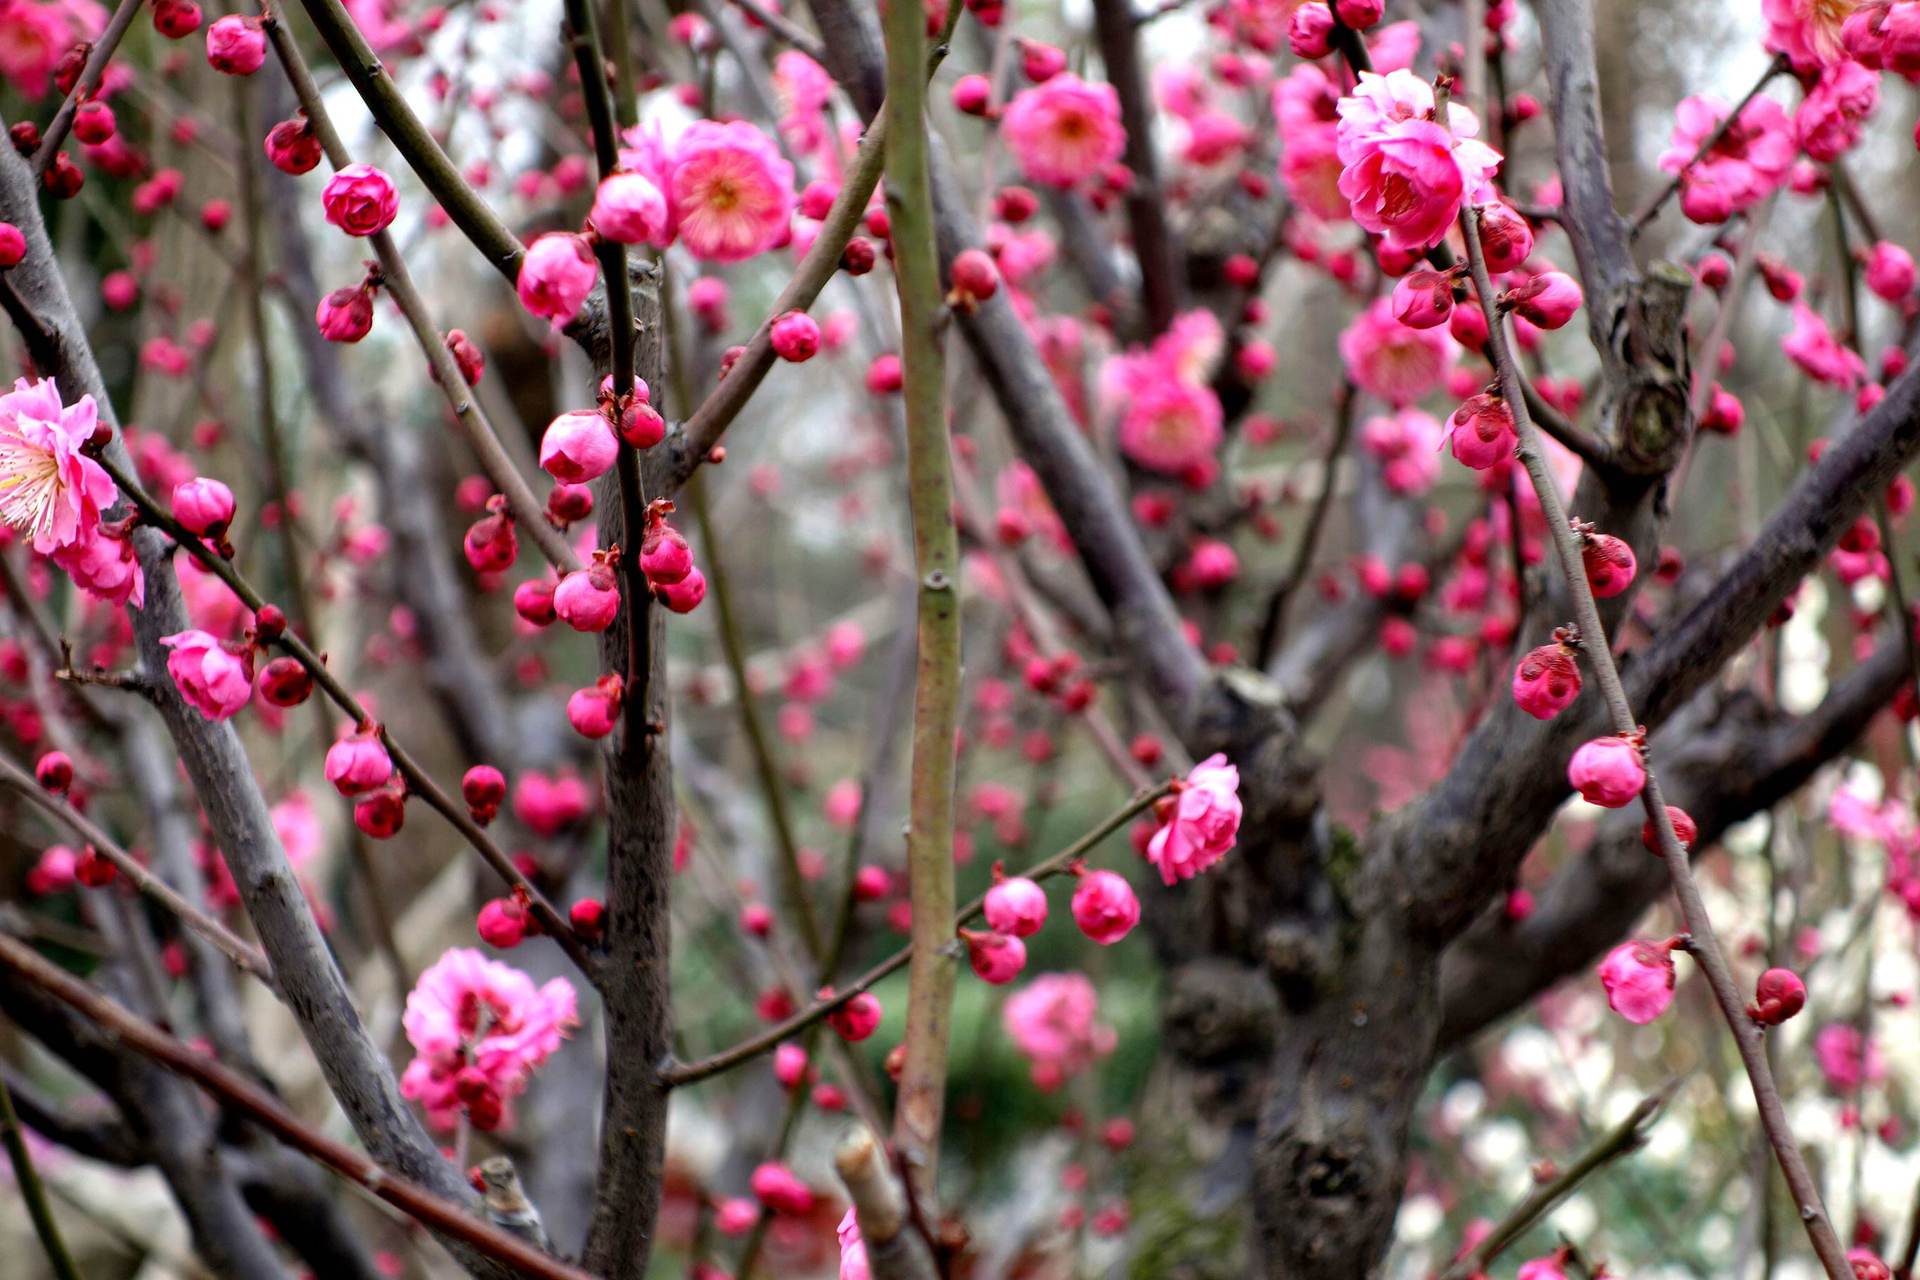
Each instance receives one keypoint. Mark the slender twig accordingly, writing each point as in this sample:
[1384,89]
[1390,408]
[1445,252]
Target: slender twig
[528,511]
[1273,623]
[34,1191]
[785,28]
[90,74]
[1704,945]
[238,1094]
[936,546]
[1623,1139]
[419,782]
[413,139]
[773,787]
[1155,246]
[242,953]
[702,429]
[1556,424]
[1651,209]
[761,1042]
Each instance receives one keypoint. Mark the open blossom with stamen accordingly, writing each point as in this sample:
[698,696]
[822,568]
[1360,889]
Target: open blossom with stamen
[1807,31]
[1406,172]
[49,490]
[1388,360]
[1053,1020]
[480,1028]
[1064,131]
[732,191]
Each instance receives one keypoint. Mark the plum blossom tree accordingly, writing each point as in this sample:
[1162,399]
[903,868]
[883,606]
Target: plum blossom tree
[1421,694]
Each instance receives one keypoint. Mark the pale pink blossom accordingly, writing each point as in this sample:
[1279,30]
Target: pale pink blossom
[1807,31]
[1407,443]
[1203,823]
[471,1014]
[732,191]
[1406,173]
[104,567]
[1821,356]
[853,1250]
[49,489]
[1054,1021]
[804,88]
[1748,163]
[1065,131]
[1828,121]
[1388,360]
[1847,1059]
[1638,977]
[215,681]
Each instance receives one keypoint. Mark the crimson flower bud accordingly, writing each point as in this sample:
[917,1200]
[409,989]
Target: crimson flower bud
[483,788]
[595,710]
[54,772]
[1310,33]
[642,426]
[285,683]
[973,95]
[1608,772]
[975,279]
[1547,681]
[1505,238]
[1548,299]
[1423,299]
[569,504]
[93,122]
[685,595]
[1684,828]
[1014,205]
[203,505]
[1041,62]
[997,958]
[471,360]
[176,19]
[25,136]
[588,918]
[236,46]
[1359,14]
[1609,563]
[502,923]
[857,1019]
[270,622]
[63,178]
[796,337]
[664,555]
[94,871]
[858,257]
[1777,996]
[66,74]
[533,601]
[345,315]
[487,1111]
[292,147]
[13,245]
[381,815]
[491,545]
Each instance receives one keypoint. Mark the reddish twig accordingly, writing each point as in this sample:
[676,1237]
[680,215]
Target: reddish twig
[418,780]
[762,1042]
[1703,944]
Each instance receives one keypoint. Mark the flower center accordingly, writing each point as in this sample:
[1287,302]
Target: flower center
[29,487]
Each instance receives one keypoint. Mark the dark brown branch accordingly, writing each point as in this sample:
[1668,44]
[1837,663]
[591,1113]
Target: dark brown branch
[1600,238]
[1153,240]
[240,1095]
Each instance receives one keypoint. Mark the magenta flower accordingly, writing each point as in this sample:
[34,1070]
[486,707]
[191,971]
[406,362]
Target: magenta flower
[49,490]
[1828,121]
[1203,823]
[732,191]
[853,1250]
[1807,31]
[578,446]
[1406,173]
[359,199]
[359,763]
[1547,681]
[1747,164]
[1821,356]
[479,1029]
[236,45]
[1388,360]
[1638,977]
[1105,907]
[781,1190]
[104,567]
[1847,1059]
[1406,444]
[1481,432]
[629,209]
[556,276]
[1053,1020]
[1608,772]
[1065,131]
[1015,905]
[214,680]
